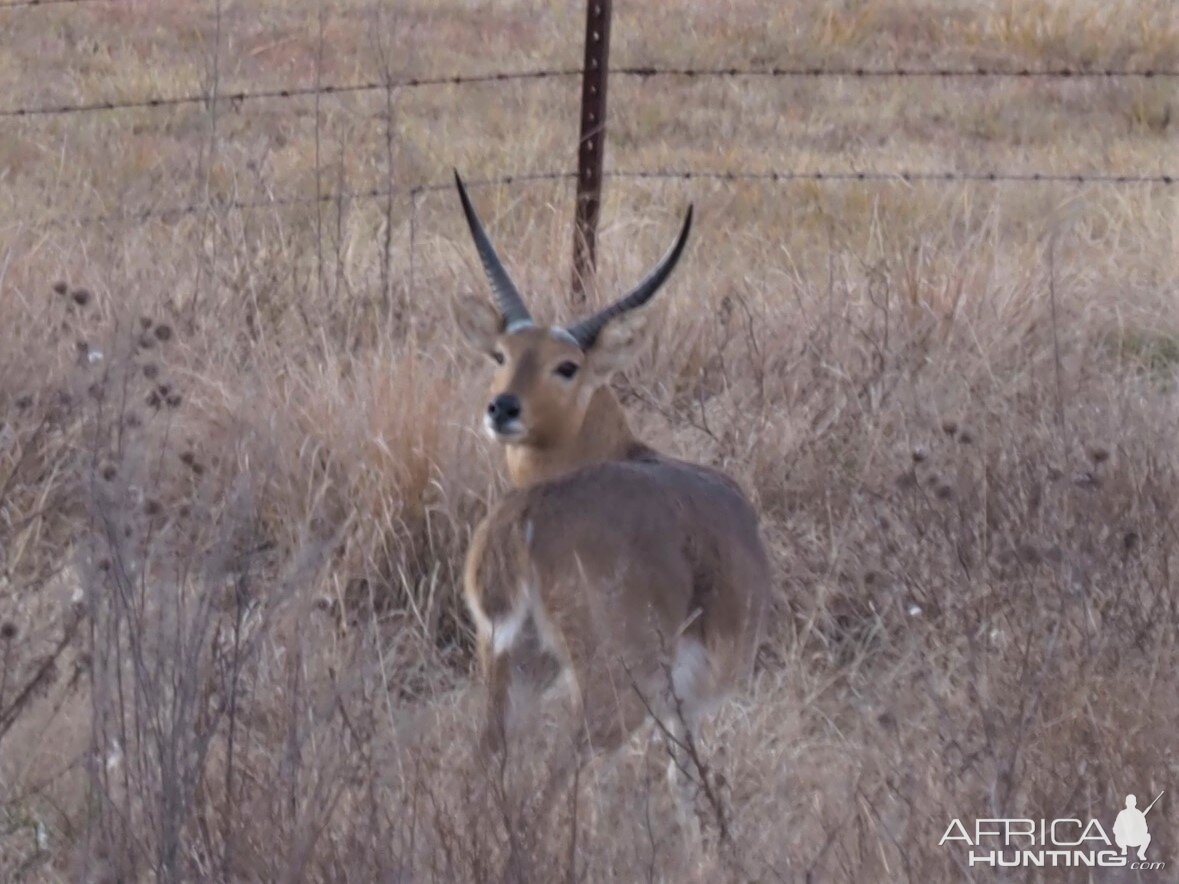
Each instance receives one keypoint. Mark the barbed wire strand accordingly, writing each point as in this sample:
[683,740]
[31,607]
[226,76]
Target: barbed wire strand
[416,191]
[18,4]
[902,176]
[893,72]
[239,97]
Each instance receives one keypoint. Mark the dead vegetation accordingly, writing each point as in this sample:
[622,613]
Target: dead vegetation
[239,458]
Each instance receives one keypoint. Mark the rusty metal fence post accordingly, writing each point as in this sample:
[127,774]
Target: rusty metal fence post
[591,145]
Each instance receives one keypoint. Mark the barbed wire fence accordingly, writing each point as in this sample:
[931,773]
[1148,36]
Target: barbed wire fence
[415,191]
[19,4]
[235,101]
[643,72]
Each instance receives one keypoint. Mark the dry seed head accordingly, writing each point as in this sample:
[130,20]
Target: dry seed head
[146,342]
[187,458]
[151,371]
[109,471]
[174,400]
[1099,454]
[152,507]
[24,401]
[949,427]
[944,492]
[61,287]
[164,332]
[8,630]
[966,437]
[920,454]
[81,297]
[145,322]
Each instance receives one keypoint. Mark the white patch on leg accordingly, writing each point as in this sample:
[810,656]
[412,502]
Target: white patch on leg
[690,676]
[505,632]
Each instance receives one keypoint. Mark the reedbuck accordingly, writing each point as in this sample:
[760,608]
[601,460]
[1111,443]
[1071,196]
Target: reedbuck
[640,577]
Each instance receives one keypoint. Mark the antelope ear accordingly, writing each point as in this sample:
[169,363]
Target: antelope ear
[479,321]
[618,344]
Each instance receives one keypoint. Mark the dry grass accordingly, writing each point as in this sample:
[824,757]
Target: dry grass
[231,643]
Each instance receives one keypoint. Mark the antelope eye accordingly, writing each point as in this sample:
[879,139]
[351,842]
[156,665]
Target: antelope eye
[498,356]
[567,369]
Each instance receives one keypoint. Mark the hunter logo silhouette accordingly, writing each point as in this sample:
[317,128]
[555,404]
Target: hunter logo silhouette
[1130,829]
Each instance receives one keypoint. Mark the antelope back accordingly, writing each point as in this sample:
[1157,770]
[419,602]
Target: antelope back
[622,564]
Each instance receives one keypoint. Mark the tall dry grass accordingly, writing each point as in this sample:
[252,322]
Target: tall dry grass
[239,460]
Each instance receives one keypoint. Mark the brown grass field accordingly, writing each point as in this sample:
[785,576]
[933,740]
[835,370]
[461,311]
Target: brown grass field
[240,457]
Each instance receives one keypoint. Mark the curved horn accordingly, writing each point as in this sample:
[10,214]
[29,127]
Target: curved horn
[586,331]
[511,305]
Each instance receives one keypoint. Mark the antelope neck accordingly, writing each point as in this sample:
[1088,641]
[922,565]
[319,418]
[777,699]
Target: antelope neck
[604,435]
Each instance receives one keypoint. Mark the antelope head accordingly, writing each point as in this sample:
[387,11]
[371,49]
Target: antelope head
[548,402]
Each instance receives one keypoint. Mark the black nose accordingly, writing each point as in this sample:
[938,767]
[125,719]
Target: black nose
[503,408]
